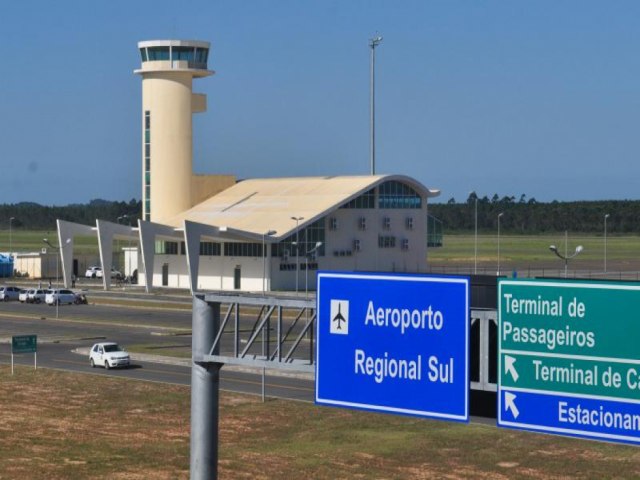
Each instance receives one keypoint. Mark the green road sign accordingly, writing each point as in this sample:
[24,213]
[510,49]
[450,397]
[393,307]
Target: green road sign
[569,357]
[24,344]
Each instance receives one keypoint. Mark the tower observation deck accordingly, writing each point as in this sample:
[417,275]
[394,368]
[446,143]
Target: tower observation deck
[168,68]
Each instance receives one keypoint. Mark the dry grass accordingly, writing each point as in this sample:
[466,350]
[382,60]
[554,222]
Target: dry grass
[57,425]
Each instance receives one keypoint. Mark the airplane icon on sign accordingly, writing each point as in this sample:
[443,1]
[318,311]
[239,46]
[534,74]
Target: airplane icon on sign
[339,317]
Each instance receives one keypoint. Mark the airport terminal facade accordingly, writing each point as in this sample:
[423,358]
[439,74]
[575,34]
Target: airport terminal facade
[213,232]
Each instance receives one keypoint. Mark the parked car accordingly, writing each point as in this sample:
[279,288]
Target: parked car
[32,295]
[23,296]
[60,296]
[96,272]
[108,355]
[9,293]
[93,272]
[37,295]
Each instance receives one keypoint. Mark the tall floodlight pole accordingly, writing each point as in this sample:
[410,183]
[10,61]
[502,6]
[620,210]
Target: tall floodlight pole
[297,219]
[605,242]
[264,259]
[499,216]
[308,256]
[475,242]
[373,43]
[11,237]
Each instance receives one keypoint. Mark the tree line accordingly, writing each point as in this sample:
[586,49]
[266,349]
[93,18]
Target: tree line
[528,216]
[33,216]
[520,215]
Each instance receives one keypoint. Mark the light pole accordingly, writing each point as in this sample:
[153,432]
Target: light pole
[565,257]
[475,241]
[499,216]
[11,237]
[297,219]
[605,242]
[373,43]
[264,259]
[59,254]
[306,270]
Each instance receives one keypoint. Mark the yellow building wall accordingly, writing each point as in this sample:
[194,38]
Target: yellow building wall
[205,186]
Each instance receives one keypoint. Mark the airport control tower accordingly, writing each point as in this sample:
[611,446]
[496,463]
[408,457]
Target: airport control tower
[168,103]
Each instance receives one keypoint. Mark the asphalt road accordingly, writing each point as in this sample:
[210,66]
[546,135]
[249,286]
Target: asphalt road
[78,327]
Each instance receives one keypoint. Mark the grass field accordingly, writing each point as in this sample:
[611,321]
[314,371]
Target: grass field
[516,251]
[522,252]
[56,425]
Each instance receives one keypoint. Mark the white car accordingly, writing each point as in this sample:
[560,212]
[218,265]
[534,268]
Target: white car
[9,293]
[33,295]
[23,296]
[108,355]
[60,296]
[96,272]
[93,272]
[37,295]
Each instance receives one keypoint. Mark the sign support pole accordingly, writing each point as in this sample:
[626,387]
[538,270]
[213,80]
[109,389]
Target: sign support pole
[205,391]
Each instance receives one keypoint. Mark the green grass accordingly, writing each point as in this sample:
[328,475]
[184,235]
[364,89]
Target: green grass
[31,241]
[524,251]
[59,425]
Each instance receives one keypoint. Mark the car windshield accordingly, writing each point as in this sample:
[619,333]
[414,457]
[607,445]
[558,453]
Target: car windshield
[112,348]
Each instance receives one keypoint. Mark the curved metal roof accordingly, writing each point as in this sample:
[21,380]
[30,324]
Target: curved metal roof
[252,207]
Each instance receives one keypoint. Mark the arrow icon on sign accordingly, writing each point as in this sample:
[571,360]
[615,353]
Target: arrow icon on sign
[510,404]
[509,367]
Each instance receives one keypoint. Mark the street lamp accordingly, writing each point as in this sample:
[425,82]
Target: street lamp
[475,241]
[373,43]
[10,237]
[499,216]
[59,252]
[264,259]
[565,257]
[308,256]
[605,242]
[297,219]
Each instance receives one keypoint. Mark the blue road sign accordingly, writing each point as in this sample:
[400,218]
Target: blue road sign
[394,343]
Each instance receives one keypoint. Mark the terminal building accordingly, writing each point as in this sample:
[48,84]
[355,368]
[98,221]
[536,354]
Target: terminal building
[214,232]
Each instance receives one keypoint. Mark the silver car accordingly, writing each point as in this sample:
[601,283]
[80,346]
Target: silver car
[60,297]
[9,293]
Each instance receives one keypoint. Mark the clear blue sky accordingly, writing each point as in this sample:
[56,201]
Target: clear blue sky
[540,98]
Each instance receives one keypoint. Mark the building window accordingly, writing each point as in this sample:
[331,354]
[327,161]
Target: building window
[308,238]
[386,241]
[366,200]
[362,223]
[386,223]
[333,223]
[166,248]
[405,244]
[241,249]
[211,249]
[394,194]
[146,214]
[356,245]
[409,223]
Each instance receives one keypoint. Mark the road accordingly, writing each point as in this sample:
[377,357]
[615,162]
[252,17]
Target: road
[150,329]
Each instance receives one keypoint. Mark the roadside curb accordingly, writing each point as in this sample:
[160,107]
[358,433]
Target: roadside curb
[183,362]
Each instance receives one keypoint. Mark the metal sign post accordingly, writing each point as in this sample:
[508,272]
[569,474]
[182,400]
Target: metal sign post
[25,344]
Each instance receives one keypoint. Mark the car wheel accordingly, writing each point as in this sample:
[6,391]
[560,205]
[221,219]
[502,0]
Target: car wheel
[106,365]
[93,364]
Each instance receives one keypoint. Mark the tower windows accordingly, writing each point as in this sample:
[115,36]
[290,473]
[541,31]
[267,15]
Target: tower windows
[146,214]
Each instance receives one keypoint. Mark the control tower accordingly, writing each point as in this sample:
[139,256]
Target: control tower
[168,103]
